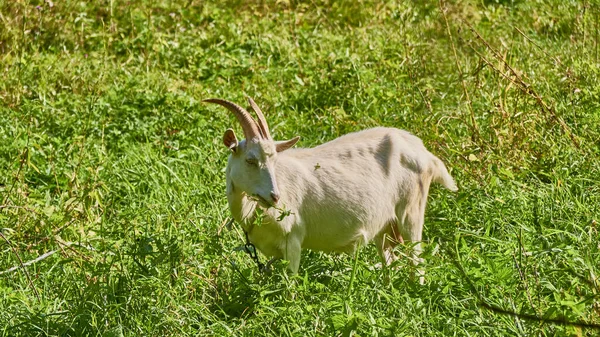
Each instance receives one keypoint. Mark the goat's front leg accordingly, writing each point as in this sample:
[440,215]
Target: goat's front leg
[292,248]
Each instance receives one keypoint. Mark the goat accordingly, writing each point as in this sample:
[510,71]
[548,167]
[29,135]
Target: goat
[335,197]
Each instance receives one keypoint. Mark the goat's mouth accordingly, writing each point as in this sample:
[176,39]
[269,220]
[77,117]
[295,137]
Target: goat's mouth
[262,201]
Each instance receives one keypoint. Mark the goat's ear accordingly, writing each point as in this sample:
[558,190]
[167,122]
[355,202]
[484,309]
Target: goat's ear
[286,144]
[230,140]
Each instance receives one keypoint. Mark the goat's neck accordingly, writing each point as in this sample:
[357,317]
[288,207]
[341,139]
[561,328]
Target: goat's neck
[242,208]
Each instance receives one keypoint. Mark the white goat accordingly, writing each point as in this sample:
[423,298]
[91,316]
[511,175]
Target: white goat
[368,185]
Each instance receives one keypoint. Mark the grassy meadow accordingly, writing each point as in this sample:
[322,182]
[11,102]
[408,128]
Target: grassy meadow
[112,182]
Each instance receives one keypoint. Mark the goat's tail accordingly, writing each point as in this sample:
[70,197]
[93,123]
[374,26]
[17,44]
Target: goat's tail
[441,175]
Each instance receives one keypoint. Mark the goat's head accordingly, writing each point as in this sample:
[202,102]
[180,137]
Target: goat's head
[251,166]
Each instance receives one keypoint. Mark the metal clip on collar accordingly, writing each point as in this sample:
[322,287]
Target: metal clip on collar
[251,250]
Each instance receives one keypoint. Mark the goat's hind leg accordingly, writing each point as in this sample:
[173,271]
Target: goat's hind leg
[386,241]
[410,224]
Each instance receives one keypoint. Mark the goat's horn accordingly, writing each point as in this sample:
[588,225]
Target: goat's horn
[248,123]
[262,122]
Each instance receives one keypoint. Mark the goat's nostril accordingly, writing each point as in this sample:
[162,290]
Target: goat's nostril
[275,197]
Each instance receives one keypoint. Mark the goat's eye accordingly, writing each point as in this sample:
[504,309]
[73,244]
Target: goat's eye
[252,161]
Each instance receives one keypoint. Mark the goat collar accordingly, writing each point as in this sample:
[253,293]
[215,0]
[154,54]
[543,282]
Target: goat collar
[250,248]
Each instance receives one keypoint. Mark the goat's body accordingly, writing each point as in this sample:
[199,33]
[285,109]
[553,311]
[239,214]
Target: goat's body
[368,185]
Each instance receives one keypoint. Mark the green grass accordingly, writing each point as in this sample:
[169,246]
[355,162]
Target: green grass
[109,159]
